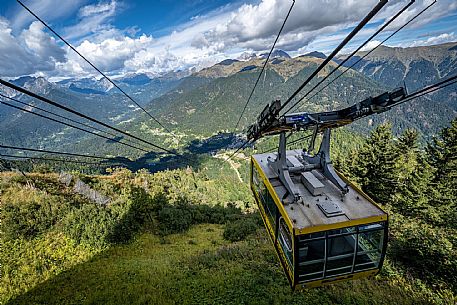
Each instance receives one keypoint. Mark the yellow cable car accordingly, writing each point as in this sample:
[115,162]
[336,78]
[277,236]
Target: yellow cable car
[324,228]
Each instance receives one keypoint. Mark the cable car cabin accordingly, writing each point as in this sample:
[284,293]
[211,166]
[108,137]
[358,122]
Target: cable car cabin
[326,236]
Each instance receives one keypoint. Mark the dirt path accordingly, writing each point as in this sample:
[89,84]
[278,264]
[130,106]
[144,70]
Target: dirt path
[232,163]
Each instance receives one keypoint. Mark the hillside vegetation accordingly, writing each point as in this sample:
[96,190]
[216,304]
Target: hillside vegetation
[194,237]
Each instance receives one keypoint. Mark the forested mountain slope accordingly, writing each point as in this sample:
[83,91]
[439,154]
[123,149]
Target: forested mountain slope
[414,67]
[216,104]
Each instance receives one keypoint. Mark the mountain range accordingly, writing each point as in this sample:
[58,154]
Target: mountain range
[209,101]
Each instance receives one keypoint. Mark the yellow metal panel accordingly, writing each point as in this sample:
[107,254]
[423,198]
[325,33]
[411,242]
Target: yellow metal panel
[285,260]
[263,214]
[283,212]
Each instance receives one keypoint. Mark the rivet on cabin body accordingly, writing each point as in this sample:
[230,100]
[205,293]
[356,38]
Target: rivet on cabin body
[307,205]
[358,198]
[294,220]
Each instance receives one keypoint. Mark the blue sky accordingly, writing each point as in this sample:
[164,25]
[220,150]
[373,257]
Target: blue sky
[158,36]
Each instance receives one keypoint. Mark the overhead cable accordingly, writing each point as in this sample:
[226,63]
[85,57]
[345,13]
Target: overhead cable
[348,38]
[292,142]
[364,21]
[50,159]
[93,66]
[419,93]
[263,68]
[63,117]
[72,126]
[386,24]
[429,89]
[55,104]
[55,152]
[368,53]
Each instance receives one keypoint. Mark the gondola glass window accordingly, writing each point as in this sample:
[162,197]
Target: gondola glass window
[285,239]
[267,201]
[333,253]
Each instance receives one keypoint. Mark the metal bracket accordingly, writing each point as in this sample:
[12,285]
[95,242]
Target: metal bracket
[281,168]
[322,159]
[313,139]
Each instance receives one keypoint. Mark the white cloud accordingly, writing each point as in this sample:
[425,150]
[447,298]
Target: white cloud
[370,45]
[96,9]
[41,44]
[31,52]
[94,20]
[442,38]
[47,9]
[110,54]
[438,10]
[255,26]
[206,39]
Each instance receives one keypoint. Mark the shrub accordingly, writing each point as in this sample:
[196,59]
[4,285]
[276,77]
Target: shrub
[116,223]
[28,219]
[239,229]
[90,224]
[175,219]
[429,251]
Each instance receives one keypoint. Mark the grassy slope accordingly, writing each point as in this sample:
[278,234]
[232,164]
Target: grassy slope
[199,267]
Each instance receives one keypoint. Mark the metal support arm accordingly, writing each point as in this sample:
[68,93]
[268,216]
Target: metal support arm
[322,158]
[281,168]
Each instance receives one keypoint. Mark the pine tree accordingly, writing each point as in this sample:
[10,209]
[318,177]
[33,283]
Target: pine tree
[413,176]
[375,168]
[442,155]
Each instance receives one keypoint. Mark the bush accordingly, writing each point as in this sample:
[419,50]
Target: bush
[29,219]
[91,225]
[217,214]
[175,219]
[239,229]
[98,226]
[134,211]
[429,251]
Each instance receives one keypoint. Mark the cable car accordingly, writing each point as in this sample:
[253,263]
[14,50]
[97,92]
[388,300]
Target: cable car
[324,229]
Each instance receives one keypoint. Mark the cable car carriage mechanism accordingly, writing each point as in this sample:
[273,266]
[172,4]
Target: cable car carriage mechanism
[323,227]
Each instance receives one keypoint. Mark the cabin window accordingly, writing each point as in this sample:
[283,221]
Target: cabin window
[340,254]
[285,239]
[370,245]
[255,177]
[270,206]
[331,253]
[311,256]
[264,195]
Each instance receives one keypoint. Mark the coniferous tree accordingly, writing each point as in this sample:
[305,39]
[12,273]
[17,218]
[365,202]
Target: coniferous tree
[413,175]
[442,152]
[442,155]
[375,168]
